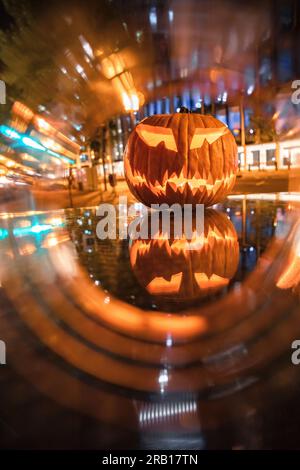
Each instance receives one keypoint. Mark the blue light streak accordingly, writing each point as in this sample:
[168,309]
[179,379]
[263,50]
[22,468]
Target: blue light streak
[32,143]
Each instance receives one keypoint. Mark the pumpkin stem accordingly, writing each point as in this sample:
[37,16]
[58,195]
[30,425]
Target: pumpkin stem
[183,109]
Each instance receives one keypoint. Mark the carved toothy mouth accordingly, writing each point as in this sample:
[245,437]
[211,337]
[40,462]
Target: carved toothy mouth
[181,245]
[162,263]
[179,183]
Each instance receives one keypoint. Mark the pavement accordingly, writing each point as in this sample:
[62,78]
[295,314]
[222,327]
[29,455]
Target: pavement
[262,182]
[23,199]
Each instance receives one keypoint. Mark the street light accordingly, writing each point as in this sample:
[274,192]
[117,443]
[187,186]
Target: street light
[132,102]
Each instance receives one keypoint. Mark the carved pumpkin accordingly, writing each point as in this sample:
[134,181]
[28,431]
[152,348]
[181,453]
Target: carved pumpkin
[180,158]
[187,269]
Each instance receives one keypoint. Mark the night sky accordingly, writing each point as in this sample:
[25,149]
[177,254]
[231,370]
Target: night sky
[5,19]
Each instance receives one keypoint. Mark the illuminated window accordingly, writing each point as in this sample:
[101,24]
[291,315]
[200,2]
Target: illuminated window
[153,18]
[221,115]
[158,107]
[285,65]
[255,156]
[167,105]
[271,157]
[151,109]
[265,70]
[234,117]
[248,113]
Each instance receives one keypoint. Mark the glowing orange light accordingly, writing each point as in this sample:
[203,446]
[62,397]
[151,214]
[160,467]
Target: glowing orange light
[290,277]
[187,269]
[23,111]
[130,101]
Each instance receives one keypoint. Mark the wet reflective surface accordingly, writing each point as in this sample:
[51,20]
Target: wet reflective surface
[99,355]
[149,274]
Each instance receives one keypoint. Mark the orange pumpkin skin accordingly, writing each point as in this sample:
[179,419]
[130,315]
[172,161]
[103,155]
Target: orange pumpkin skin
[183,158]
[171,268]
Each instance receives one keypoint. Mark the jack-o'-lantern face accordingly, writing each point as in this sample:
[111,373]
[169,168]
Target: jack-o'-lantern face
[181,158]
[184,269]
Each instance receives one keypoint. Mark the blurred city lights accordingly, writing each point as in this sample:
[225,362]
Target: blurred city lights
[11,133]
[33,143]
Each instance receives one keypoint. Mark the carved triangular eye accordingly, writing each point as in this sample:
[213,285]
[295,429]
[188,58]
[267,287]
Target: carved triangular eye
[210,134]
[154,135]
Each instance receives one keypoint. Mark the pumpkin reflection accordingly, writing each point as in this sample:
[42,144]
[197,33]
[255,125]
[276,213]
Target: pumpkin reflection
[185,269]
